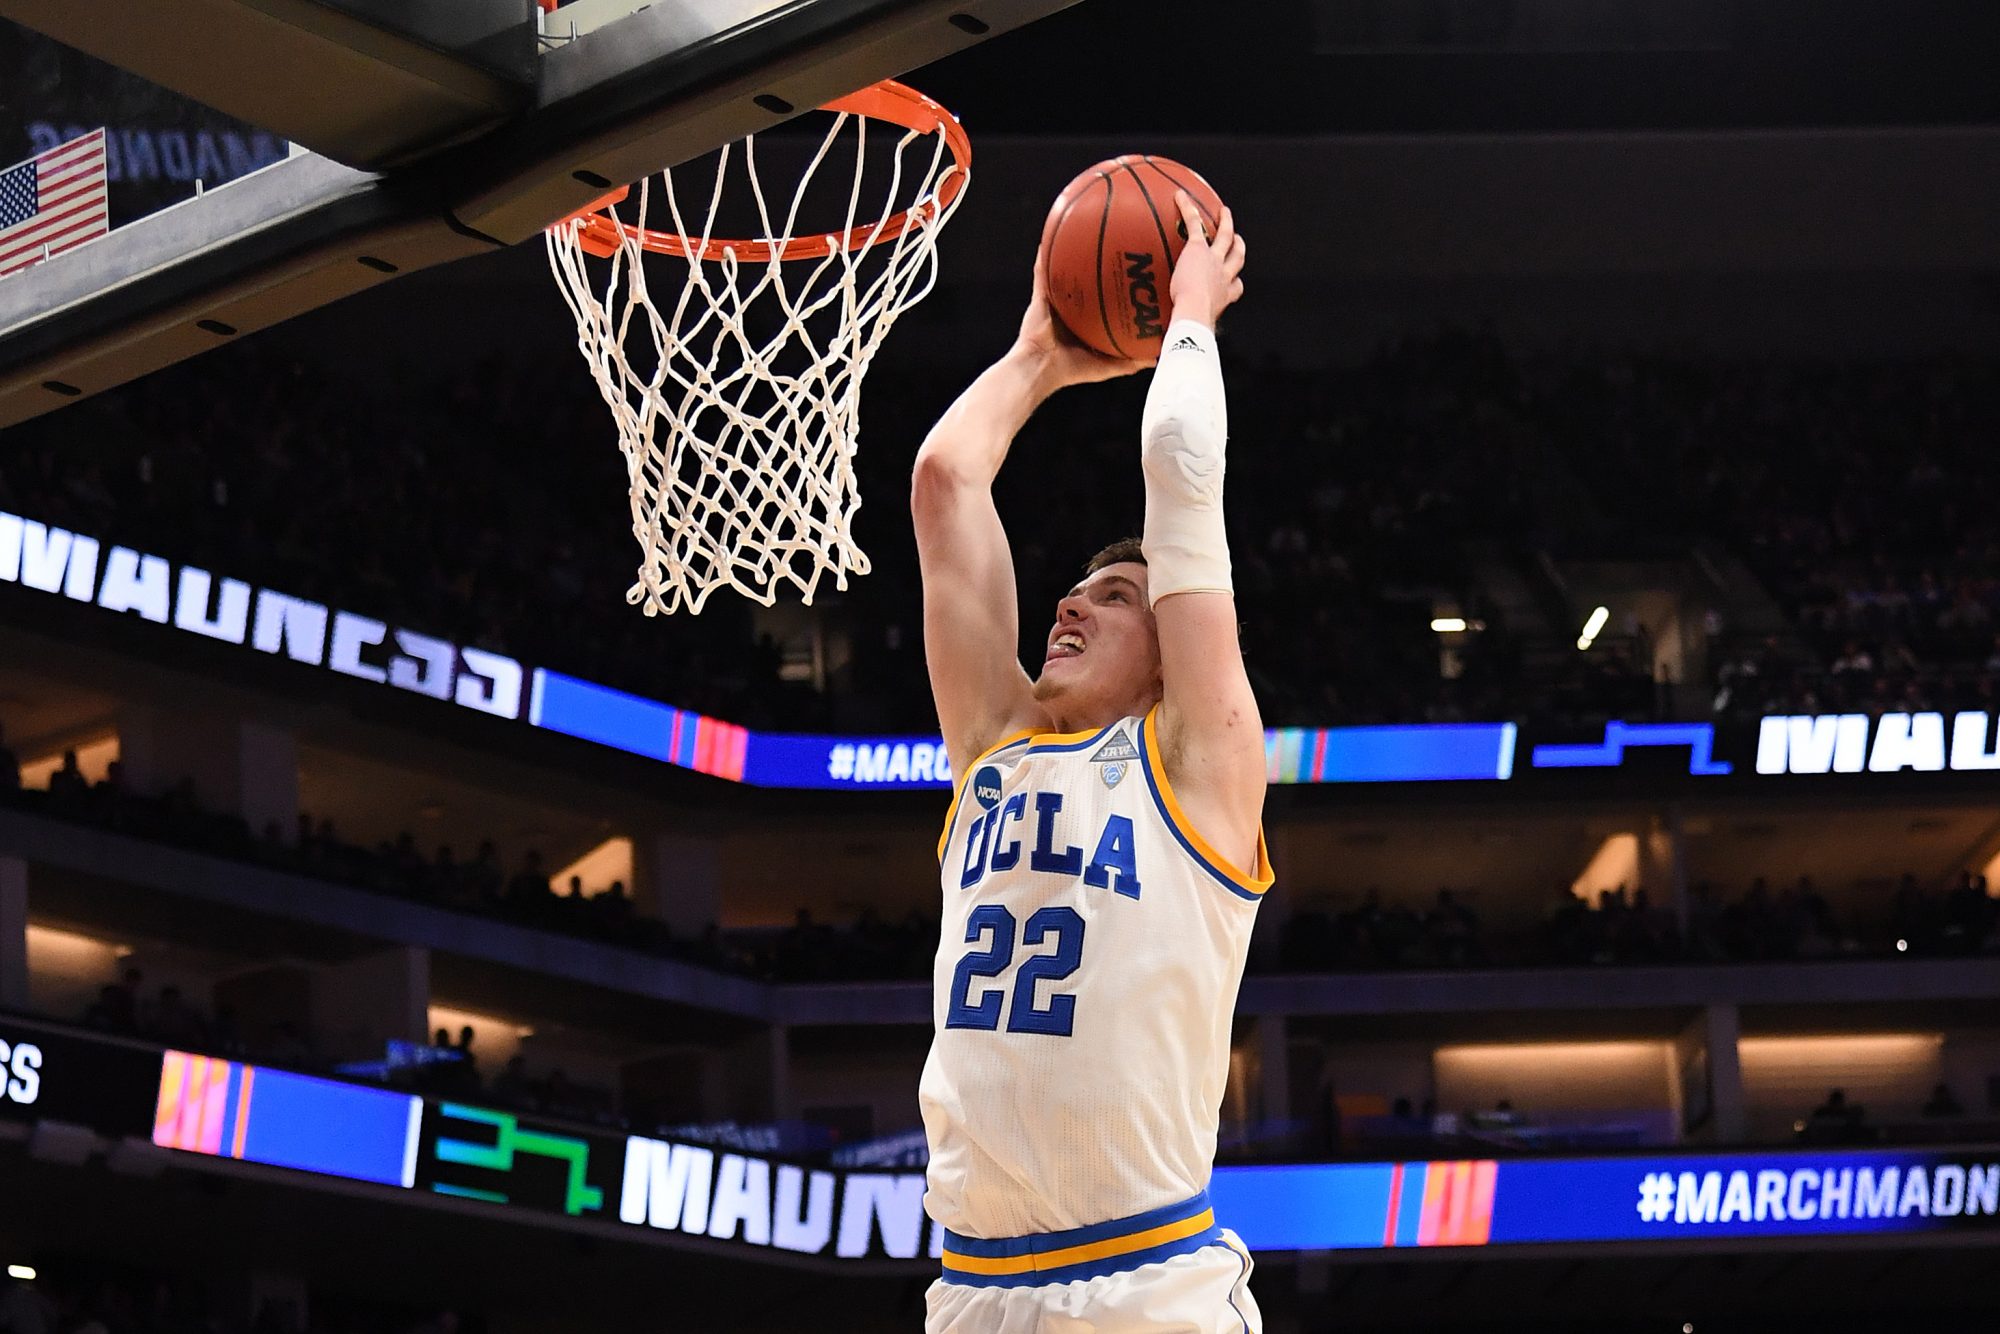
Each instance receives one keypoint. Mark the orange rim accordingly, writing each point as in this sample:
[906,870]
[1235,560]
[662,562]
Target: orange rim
[598,232]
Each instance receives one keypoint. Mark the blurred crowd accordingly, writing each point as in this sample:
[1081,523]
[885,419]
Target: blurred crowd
[870,946]
[487,506]
[1621,926]
[1415,1128]
[129,1007]
[448,1067]
[1840,1120]
[1625,926]
[483,504]
[1862,495]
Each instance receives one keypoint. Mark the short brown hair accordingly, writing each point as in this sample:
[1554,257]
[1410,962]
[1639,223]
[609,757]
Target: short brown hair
[1123,550]
[1128,549]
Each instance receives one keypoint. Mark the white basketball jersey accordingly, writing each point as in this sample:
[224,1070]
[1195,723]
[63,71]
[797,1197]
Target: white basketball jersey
[1091,944]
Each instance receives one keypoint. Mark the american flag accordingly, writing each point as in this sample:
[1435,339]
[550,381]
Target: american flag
[52,202]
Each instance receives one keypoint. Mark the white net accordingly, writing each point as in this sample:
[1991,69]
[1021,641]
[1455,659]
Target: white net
[735,379]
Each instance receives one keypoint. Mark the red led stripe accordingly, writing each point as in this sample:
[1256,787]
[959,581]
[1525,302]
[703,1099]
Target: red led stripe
[1395,1204]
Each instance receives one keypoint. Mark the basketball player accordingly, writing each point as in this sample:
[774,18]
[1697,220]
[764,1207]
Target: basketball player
[1102,860]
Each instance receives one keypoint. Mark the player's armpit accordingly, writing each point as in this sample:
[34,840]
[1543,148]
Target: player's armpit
[1211,734]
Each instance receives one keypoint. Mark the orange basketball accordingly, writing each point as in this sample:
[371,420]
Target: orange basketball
[1116,235]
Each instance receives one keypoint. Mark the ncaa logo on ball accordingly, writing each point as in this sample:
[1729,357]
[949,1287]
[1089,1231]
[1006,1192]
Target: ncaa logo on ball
[1144,293]
[986,787]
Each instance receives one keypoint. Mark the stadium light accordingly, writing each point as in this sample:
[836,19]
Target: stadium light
[1592,626]
[1448,625]
[25,1273]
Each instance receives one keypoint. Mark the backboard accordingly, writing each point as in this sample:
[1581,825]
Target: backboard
[423,131]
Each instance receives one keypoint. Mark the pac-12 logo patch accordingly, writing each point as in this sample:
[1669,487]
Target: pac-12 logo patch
[1113,774]
[986,787]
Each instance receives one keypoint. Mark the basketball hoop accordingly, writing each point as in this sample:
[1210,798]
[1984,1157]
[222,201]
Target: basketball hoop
[739,445]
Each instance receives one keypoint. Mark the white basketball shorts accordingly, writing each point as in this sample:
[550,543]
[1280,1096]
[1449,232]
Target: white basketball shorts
[1171,1271]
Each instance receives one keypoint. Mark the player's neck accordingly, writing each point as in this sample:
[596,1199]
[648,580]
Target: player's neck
[1071,718]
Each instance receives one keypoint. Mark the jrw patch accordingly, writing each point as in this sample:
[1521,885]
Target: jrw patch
[1116,755]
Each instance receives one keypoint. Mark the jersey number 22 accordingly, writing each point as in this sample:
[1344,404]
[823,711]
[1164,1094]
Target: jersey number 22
[992,959]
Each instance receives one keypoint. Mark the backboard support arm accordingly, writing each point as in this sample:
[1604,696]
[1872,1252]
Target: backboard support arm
[610,107]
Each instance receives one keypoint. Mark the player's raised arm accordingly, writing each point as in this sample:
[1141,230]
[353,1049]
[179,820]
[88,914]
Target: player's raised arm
[1212,736]
[971,609]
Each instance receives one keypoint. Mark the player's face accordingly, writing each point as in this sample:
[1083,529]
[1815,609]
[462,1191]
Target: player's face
[1103,653]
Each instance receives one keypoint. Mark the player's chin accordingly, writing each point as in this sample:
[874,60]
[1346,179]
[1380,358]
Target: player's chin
[1057,676]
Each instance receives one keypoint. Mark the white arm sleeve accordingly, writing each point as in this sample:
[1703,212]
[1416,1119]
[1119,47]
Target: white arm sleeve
[1182,433]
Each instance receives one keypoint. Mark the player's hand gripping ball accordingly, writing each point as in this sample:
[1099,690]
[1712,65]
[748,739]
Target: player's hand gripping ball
[1112,246]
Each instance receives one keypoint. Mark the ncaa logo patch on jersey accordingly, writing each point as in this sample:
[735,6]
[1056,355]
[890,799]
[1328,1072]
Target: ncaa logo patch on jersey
[986,787]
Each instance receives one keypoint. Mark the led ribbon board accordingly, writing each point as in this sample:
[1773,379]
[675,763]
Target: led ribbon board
[52,1073]
[1347,1206]
[277,625]
[216,1108]
[193,601]
[665,1186]
[476,1153]
[227,1109]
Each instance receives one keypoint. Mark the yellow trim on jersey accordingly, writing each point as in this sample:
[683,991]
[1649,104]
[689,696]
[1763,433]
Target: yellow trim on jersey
[1076,1255]
[1157,765]
[965,774]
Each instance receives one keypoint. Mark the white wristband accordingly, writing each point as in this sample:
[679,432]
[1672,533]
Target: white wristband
[1182,434]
